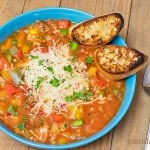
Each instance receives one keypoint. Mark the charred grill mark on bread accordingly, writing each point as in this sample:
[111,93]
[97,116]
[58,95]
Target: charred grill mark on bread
[98,31]
[119,62]
[119,59]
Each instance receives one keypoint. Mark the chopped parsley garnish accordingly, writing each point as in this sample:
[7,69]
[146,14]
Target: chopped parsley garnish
[69,98]
[34,57]
[64,32]
[21,126]
[54,82]
[38,82]
[88,60]
[41,62]
[83,95]
[50,69]
[73,46]
[68,68]
[11,109]
[14,42]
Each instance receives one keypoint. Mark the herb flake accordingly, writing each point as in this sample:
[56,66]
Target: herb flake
[50,69]
[83,95]
[88,60]
[34,57]
[11,110]
[14,42]
[38,82]
[68,68]
[21,126]
[41,62]
[54,82]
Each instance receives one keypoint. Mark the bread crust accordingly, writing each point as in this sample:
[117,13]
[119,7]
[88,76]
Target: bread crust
[118,62]
[98,31]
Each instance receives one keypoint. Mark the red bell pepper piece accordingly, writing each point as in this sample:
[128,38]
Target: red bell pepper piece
[10,89]
[3,63]
[57,117]
[44,50]
[19,54]
[63,24]
[101,82]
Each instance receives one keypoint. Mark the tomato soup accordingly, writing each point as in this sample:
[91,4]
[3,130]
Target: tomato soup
[50,88]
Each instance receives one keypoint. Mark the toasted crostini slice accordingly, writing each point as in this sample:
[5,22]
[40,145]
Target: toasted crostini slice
[97,31]
[119,62]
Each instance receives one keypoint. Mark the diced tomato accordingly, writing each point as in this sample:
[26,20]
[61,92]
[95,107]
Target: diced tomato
[19,54]
[86,52]
[83,57]
[57,117]
[63,24]
[10,89]
[3,63]
[7,114]
[44,50]
[27,126]
[101,82]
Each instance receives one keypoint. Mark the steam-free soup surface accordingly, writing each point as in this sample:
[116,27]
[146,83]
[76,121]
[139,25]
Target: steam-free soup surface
[50,88]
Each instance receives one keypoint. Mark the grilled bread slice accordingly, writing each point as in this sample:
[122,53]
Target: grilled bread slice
[118,62]
[97,31]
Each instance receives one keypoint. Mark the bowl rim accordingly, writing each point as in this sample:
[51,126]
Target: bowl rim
[111,124]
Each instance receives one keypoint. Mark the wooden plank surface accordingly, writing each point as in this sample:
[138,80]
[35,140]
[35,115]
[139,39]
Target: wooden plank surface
[136,31]
[9,9]
[88,6]
[110,6]
[131,132]
[98,8]
[7,143]
[35,4]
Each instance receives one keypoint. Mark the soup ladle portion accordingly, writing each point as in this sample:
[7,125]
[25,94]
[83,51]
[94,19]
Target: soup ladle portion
[97,31]
[118,62]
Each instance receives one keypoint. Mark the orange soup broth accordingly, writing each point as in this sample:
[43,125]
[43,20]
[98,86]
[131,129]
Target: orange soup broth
[54,128]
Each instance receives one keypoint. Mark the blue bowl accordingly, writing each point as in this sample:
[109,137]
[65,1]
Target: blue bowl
[75,16]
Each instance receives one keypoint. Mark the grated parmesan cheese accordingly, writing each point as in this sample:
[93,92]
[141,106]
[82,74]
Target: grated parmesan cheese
[48,97]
